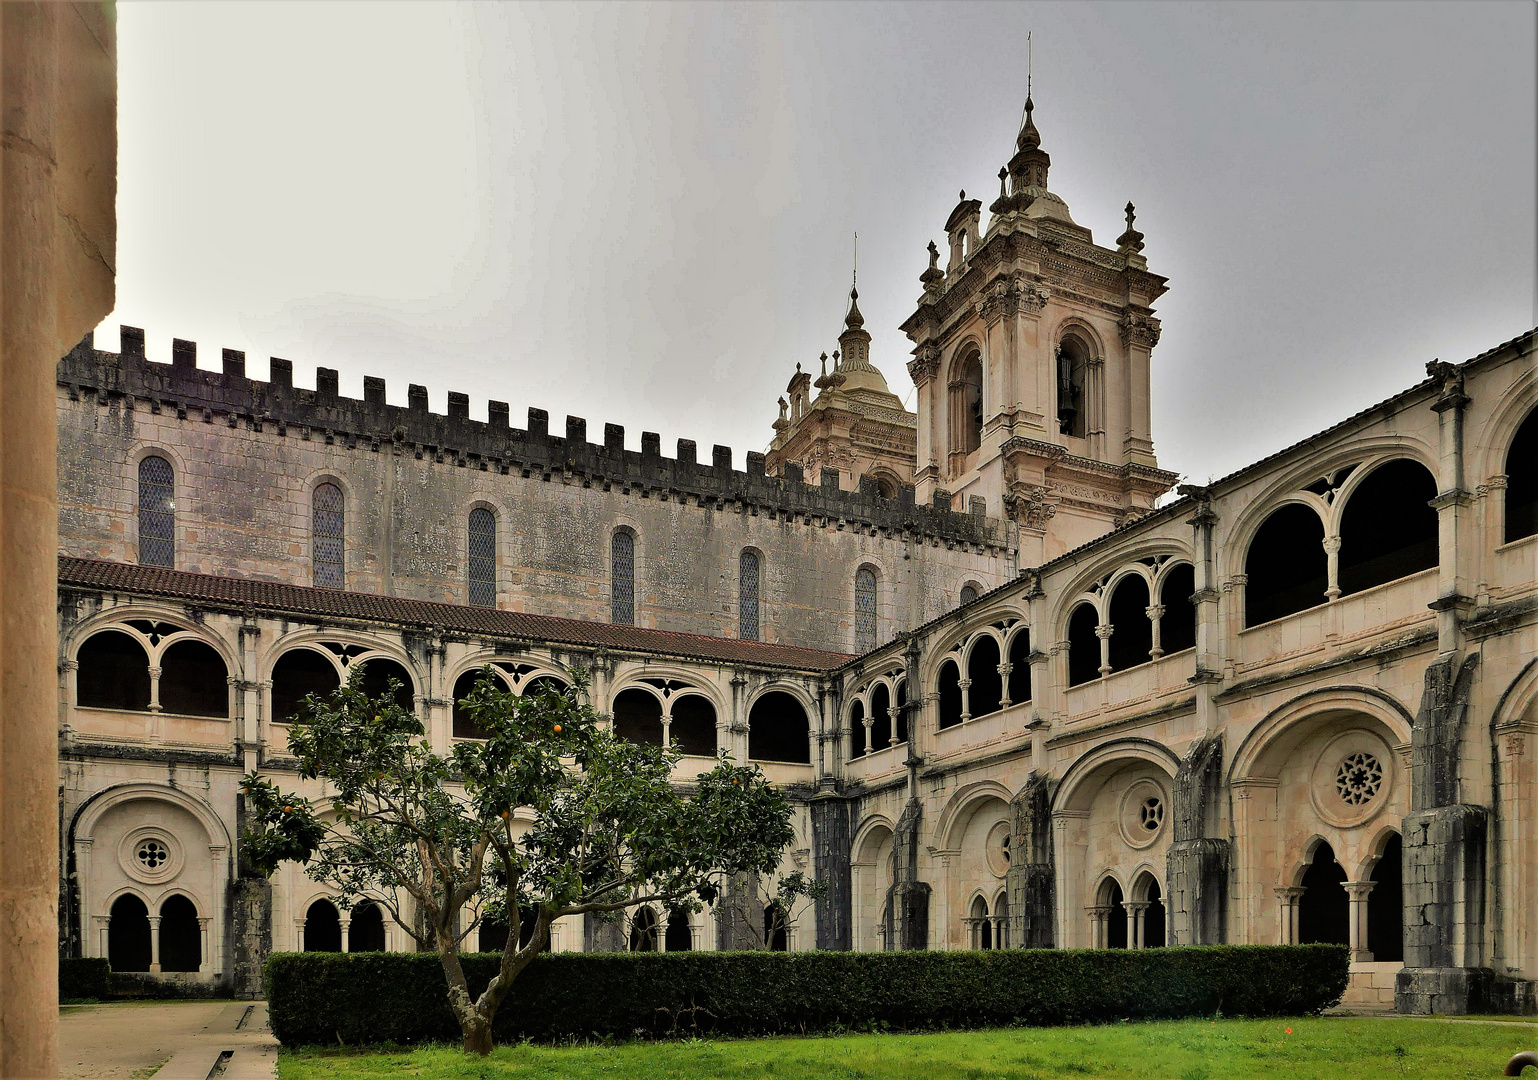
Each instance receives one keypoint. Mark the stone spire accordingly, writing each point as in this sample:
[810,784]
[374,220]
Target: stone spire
[1027,176]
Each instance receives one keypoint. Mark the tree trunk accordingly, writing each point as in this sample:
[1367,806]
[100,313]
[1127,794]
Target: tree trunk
[477,1036]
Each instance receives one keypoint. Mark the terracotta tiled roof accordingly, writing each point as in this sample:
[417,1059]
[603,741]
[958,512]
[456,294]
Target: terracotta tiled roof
[299,600]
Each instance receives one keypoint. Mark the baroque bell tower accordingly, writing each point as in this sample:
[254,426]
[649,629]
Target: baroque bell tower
[1031,357]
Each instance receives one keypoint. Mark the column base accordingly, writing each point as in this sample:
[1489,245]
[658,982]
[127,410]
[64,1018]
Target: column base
[1446,991]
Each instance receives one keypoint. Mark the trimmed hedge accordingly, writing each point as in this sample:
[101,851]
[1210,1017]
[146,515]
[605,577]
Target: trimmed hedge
[84,977]
[401,997]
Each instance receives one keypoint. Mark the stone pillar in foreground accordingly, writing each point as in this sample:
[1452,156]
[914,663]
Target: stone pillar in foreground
[1030,878]
[58,233]
[1197,866]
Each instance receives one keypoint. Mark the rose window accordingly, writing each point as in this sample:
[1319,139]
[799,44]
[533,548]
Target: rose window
[152,855]
[1359,778]
[1151,813]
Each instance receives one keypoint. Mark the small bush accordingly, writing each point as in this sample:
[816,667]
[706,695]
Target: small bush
[84,977]
[401,997]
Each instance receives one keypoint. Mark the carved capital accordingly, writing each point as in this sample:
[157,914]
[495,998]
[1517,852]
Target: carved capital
[1028,505]
[1139,329]
[924,365]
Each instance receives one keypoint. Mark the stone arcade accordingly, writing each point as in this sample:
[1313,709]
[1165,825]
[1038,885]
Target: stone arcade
[1015,700]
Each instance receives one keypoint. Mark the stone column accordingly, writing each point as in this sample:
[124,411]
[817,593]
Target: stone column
[1104,632]
[206,964]
[155,943]
[833,913]
[1099,916]
[1357,891]
[1287,919]
[346,924]
[1030,877]
[1136,909]
[58,180]
[1198,860]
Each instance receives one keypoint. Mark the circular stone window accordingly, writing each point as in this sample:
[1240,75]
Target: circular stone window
[1352,778]
[1143,810]
[150,854]
[998,849]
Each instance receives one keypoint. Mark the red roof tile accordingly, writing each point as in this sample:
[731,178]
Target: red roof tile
[300,600]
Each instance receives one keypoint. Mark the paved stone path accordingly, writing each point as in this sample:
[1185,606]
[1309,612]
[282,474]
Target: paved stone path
[171,1040]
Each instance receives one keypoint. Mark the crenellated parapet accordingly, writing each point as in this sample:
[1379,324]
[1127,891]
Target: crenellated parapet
[372,425]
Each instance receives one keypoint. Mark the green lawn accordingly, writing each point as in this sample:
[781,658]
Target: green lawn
[1317,1047]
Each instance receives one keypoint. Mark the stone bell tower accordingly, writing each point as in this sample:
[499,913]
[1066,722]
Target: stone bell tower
[1031,358]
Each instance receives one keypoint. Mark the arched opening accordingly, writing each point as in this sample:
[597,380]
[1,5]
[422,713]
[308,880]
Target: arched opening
[968,594]
[194,680]
[328,537]
[1385,904]
[1153,914]
[493,933]
[465,726]
[1001,917]
[481,564]
[986,693]
[1522,481]
[778,730]
[128,935]
[886,486]
[967,404]
[679,938]
[181,937]
[298,673]
[982,926]
[643,930]
[950,694]
[864,610]
[322,928]
[1388,529]
[1285,569]
[366,932]
[113,673]
[377,674]
[1083,645]
[1115,915]
[1020,667]
[157,513]
[622,578]
[880,718]
[900,715]
[638,717]
[747,596]
[544,684]
[857,730]
[1177,625]
[1132,636]
[1072,362]
[1324,911]
[776,930]
[694,725]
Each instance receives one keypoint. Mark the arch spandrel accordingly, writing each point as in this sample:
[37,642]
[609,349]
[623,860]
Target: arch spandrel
[1077,791]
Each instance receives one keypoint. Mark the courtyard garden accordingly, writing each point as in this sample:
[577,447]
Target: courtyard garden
[1306,1048]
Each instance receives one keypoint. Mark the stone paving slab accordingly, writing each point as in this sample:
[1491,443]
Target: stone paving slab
[170,1040]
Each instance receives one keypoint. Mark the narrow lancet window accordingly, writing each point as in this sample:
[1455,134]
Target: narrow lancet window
[482,562]
[622,579]
[329,530]
[157,517]
[864,610]
[747,597]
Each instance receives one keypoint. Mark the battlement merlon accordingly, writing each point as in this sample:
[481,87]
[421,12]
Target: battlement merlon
[372,423]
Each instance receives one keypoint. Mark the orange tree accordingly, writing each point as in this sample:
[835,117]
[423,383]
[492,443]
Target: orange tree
[432,837]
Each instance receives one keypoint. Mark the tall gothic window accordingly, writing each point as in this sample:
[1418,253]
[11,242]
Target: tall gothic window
[747,597]
[329,529]
[482,563]
[622,578]
[157,518]
[864,609]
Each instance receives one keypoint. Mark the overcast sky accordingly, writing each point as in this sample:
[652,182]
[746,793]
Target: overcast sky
[642,214]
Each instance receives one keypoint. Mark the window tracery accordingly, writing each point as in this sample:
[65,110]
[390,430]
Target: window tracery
[864,610]
[622,578]
[747,596]
[1359,778]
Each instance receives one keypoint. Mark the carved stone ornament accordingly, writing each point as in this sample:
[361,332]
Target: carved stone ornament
[924,366]
[1139,329]
[1028,505]
[1009,297]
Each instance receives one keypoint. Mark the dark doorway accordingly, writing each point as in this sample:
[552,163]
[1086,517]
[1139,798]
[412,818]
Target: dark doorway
[113,673]
[367,931]
[1385,904]
[1286,569]
[638,717]
[322,928]
[194,680]
[776,937]
[986,693]
[1116,921]
[778,730]
[1324,911]
[693,725]
[643,930]
[679,937]
[297,673]
[181,938]
[128,935]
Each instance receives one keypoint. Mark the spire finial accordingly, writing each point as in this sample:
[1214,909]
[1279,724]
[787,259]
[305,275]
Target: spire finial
[1131,241]
[856,279]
